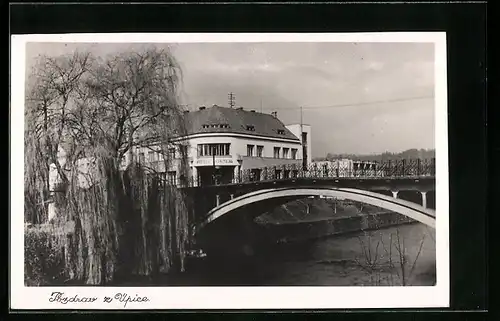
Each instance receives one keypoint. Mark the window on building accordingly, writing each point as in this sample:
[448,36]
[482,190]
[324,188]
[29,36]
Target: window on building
[159,155]
[171,152]
[142,158]
[277,174]
[285,152]
[294,153]
[251,128]
[281,131]
[151,156]
[172,177]
[276,152]
[214,149]
[183,149]
[250,150]
[260,151]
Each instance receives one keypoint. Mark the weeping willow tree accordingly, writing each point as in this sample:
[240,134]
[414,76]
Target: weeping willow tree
[100,111]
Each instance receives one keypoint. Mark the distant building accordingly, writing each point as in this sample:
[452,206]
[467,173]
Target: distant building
[345,168]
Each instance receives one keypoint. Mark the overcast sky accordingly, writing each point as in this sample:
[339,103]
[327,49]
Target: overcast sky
[386,89]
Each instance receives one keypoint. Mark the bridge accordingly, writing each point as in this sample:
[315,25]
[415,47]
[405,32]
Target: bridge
[255,191]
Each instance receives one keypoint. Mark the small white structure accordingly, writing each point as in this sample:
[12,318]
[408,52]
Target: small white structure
[85,170]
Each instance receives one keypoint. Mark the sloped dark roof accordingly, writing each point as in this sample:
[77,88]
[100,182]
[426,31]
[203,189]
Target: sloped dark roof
[236,121]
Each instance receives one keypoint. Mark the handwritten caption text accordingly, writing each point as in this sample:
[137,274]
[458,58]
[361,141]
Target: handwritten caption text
[124,298]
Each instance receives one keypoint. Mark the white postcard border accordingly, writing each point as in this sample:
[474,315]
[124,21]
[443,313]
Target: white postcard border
[322,297]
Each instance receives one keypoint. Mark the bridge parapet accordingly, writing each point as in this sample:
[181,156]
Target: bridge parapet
[400,169]
[411,168]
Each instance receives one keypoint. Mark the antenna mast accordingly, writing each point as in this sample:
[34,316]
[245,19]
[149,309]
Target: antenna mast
[230,97]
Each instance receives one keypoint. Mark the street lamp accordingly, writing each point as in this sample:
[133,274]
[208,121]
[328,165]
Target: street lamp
[214,167]
[213,164]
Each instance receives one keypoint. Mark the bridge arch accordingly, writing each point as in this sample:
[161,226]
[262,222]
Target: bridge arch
[409,209]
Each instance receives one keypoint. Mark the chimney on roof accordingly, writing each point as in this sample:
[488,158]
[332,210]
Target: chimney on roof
[275,114]
[202,108]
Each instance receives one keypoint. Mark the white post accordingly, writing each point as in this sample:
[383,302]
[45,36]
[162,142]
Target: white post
[395,194]
[217,200]
[194,174]
[51,208]
[54,179]
[424,199]
[235,174]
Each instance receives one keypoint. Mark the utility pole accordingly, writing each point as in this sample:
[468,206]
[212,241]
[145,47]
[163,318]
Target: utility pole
[230,97]
[304,150]
[301,127]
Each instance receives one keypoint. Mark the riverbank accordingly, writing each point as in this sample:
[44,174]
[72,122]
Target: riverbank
[340,225]
[318,218]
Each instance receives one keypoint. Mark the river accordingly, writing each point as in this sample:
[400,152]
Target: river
[363,258]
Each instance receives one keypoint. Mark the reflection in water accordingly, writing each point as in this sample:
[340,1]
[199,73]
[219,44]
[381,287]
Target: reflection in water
[365,258]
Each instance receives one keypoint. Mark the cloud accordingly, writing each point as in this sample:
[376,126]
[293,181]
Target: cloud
[285,76]
[375,65]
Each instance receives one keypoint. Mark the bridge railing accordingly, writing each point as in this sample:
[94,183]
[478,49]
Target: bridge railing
[388,169]
[326,170]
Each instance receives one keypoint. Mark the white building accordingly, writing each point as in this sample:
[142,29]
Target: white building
[345,168]
[224,142]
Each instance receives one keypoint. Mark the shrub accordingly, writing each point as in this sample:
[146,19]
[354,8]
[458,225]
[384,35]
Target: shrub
[43,257]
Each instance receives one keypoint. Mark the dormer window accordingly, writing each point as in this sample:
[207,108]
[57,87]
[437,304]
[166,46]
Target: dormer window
[215,126]
[281,132]
[251,128]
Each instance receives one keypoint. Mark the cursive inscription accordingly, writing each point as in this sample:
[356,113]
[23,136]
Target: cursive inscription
[123,298]
[59,297]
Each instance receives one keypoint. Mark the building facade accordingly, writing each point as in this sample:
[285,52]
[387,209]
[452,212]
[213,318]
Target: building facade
[222,143]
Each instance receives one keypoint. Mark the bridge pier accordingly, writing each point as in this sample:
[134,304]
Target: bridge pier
[395,194]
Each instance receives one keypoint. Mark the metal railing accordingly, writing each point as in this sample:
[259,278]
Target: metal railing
[405,168]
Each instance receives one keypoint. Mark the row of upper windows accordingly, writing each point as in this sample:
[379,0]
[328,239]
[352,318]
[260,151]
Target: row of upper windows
[216,126]
[214,149]
[248,127]
[154,155]
[223,149]
[278,152]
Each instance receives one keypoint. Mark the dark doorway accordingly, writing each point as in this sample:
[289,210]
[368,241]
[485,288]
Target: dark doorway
[210,175]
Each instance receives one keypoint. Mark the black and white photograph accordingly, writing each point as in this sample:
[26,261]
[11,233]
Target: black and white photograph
[230,171]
